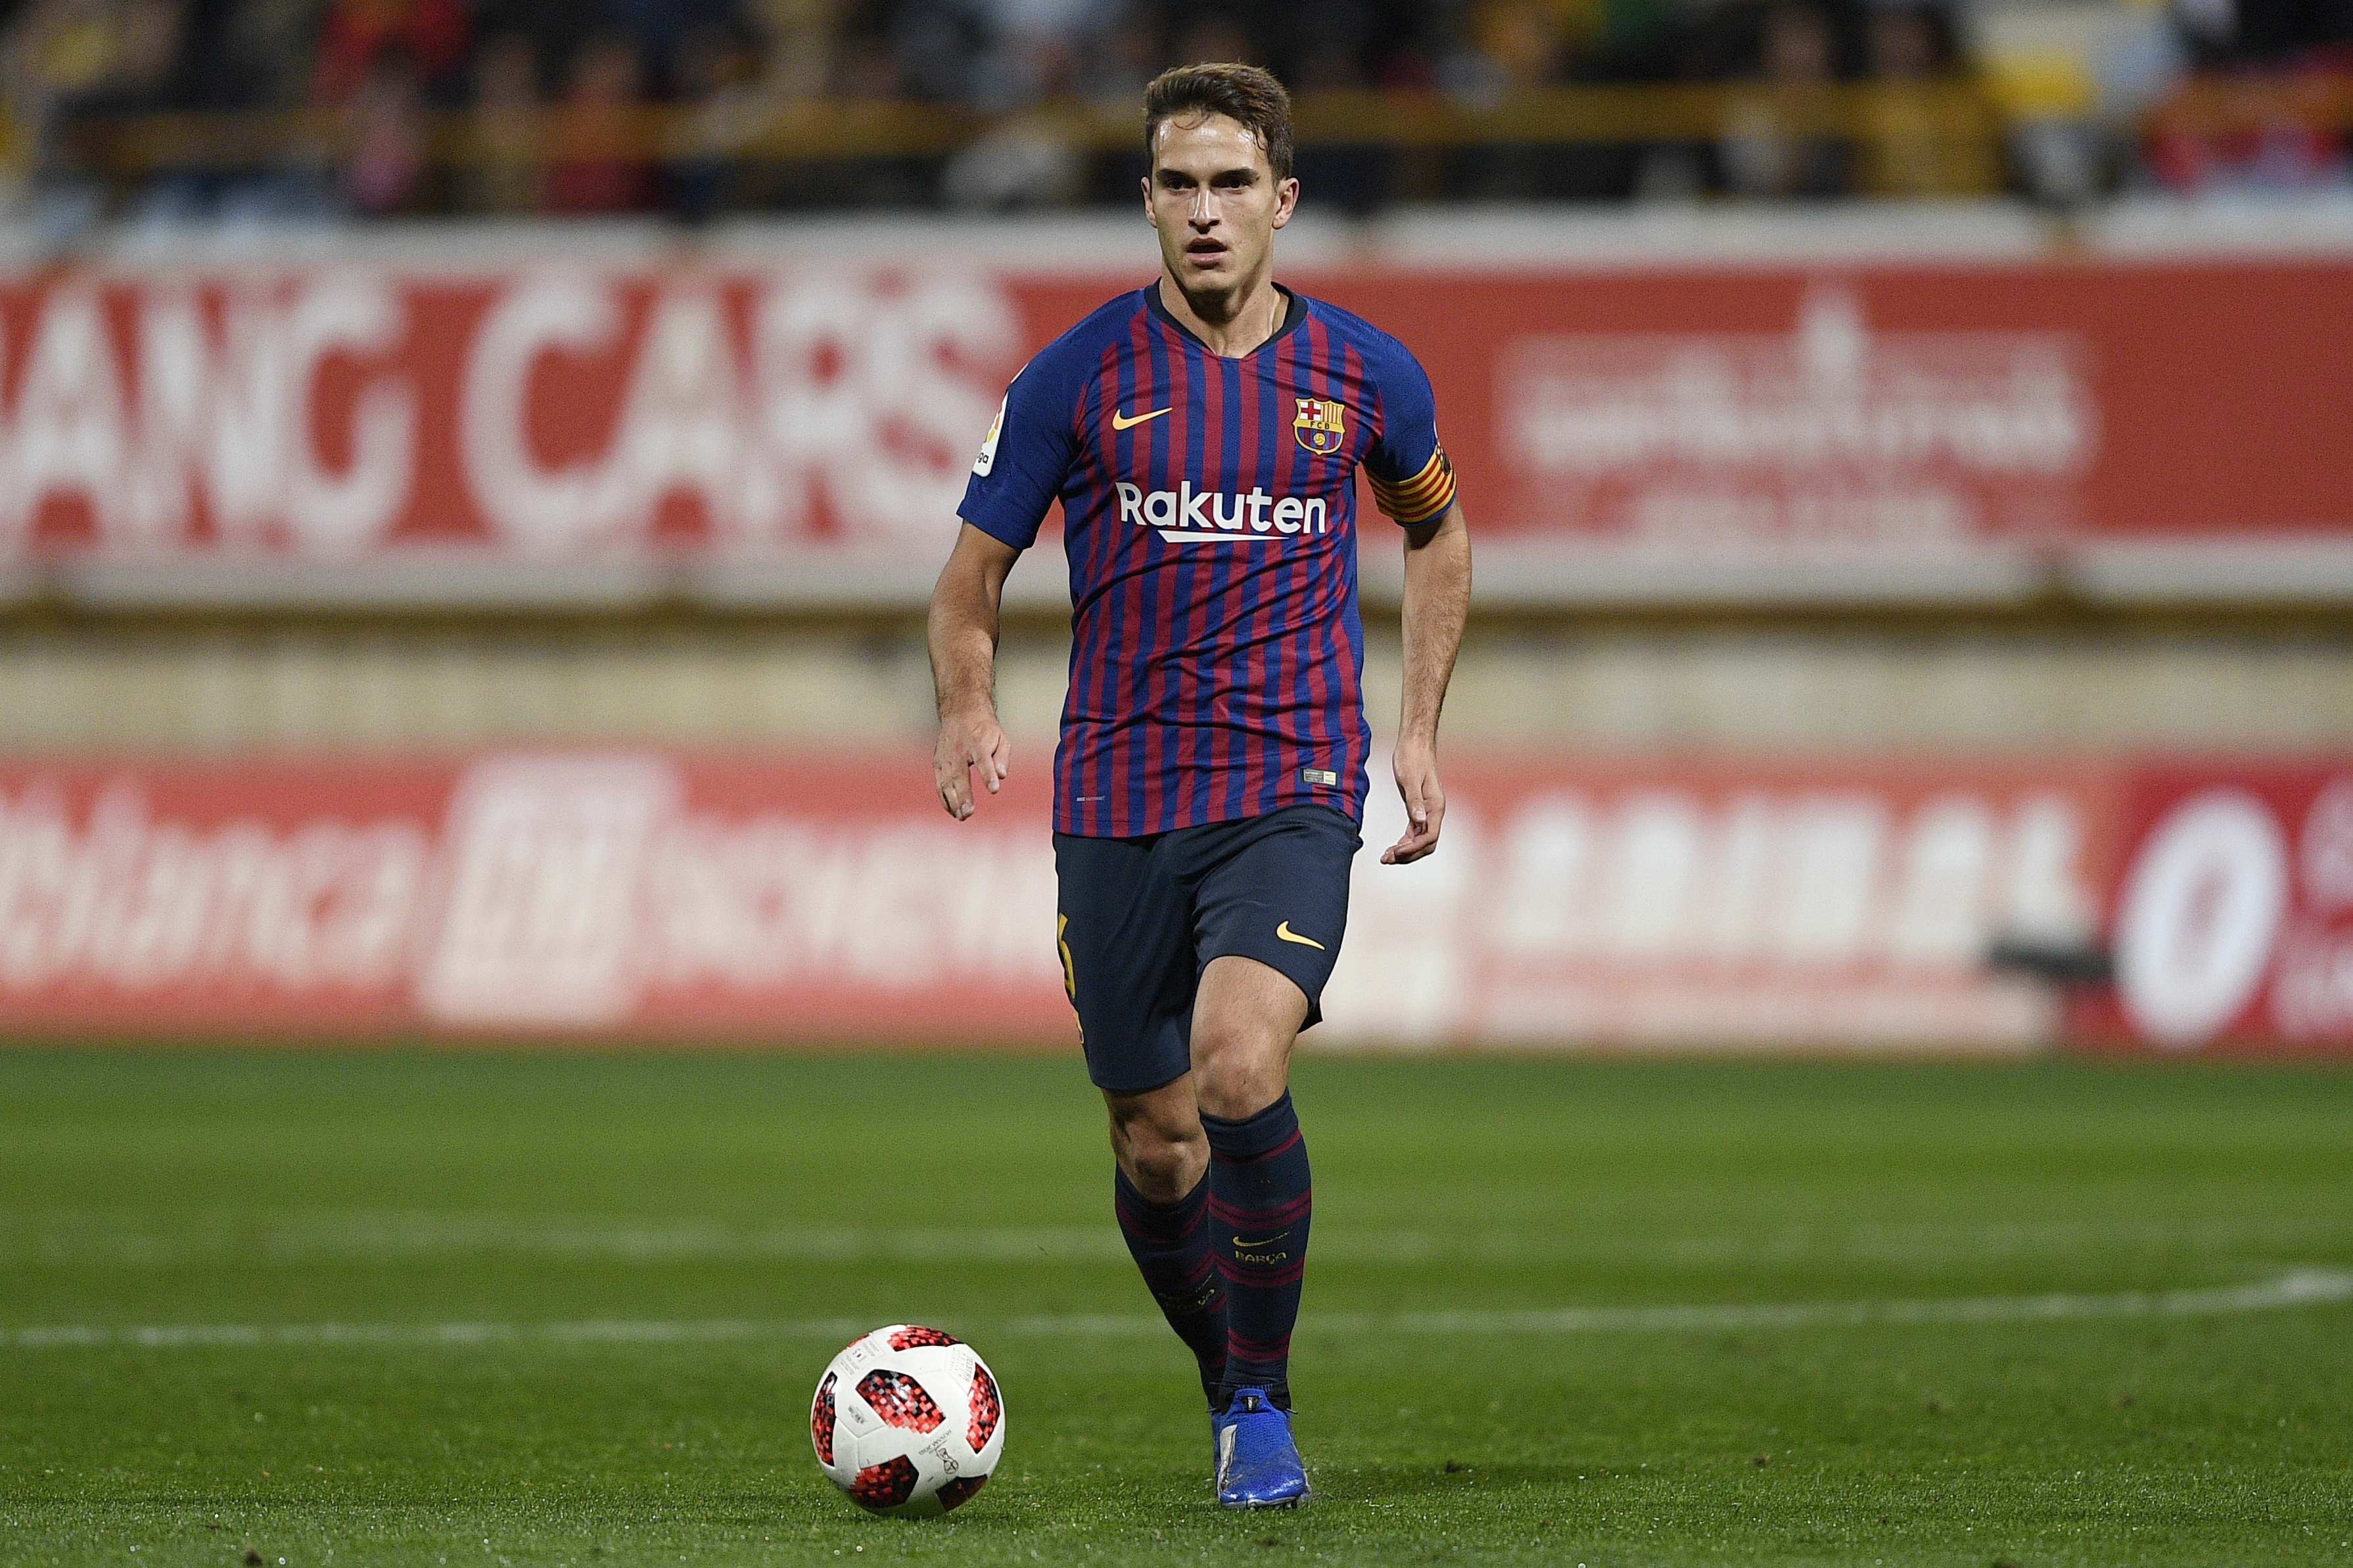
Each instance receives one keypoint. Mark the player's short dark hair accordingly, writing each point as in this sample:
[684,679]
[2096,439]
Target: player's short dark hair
[1247,95]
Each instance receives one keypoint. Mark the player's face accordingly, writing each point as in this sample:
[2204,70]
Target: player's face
[1216,202]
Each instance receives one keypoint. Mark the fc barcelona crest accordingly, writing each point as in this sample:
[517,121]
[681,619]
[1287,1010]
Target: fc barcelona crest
[1321,426]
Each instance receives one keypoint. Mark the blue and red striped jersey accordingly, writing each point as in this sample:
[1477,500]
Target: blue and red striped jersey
[1208,512]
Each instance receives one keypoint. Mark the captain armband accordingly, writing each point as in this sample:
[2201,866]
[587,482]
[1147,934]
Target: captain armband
[1426,496]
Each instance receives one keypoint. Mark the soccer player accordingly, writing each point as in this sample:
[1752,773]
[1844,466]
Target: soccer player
[1203,435]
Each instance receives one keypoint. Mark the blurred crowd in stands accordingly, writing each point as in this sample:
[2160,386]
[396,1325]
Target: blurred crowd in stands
[386,107]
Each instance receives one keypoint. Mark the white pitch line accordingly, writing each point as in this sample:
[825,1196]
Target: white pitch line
[369,1238]
[48,1237]
[2296,1288]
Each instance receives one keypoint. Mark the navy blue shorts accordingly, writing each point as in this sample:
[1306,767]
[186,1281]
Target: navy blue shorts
[1141,918]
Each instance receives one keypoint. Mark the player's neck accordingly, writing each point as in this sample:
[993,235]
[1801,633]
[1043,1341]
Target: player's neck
[1232,323]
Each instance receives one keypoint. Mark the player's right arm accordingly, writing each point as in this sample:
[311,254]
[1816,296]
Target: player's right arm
[1014,479]
[962,630]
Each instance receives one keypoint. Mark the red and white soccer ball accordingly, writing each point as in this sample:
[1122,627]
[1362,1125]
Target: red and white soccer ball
[908,1421]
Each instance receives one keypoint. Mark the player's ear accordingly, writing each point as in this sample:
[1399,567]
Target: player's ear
[1286,201]
[1149,215]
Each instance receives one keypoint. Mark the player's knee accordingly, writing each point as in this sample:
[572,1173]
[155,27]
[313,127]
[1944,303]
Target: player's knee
[1237,1078]
[1161,1147]
[1166,1171]
[1165,1165]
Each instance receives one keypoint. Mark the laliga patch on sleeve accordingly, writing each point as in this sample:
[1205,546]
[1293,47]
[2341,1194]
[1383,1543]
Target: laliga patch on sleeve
[987,459]
[1324,776]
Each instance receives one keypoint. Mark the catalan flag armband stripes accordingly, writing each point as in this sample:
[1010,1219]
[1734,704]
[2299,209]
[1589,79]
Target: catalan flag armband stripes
[1416,501]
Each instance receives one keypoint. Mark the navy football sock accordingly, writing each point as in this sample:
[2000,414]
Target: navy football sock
[1259,1203]
[1170,1244]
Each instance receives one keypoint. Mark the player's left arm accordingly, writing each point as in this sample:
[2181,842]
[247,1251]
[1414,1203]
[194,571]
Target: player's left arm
[1414,484]
[1437,604]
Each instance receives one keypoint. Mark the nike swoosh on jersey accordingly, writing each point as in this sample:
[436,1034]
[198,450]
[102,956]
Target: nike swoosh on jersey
[1270,1241]
[1287,934]
[1121,422]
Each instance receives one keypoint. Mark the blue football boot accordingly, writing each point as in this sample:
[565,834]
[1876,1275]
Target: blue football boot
[1258,1464]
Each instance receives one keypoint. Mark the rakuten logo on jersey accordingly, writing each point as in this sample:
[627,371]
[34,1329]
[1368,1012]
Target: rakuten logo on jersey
[1186,516]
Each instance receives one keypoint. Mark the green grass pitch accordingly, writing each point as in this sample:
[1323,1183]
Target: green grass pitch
[431,1308]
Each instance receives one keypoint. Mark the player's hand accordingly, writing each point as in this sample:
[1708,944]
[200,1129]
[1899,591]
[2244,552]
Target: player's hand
[1425,803]
[969,742]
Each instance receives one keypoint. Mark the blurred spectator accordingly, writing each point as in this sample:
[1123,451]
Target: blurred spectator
[110,54]
[721,106]
[1332,48]
[1522,43]
[557,28]
[505,150]
[62,57]
[2266,116]
[1773,145]
[1926,133]
[249,54]
[430,35]
[2273,132]
[384,138]
[1030,158]
[597,138]
[669,102]
[937,46]
[1124,58]
[1027,161]
[802,39]
[661,29]
[1033,49]
[148,53]
[1907,41]
[1514,46]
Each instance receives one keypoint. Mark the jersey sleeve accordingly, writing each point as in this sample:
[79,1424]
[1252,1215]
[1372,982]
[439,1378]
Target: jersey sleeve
[1411,479]
[1027,455]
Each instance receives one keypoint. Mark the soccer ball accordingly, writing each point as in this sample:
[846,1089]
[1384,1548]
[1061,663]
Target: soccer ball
[908,1421]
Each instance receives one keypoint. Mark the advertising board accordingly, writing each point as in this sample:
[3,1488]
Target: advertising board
[1840,430]
[2232,909]
[821,897]
[575,895]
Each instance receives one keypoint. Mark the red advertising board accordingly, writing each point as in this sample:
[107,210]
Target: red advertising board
[642,895]
[1844,418]
[2231,911]
[576,895]
[1730,905]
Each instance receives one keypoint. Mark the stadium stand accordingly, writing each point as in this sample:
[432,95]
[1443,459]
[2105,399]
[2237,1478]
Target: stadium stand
[172,108]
